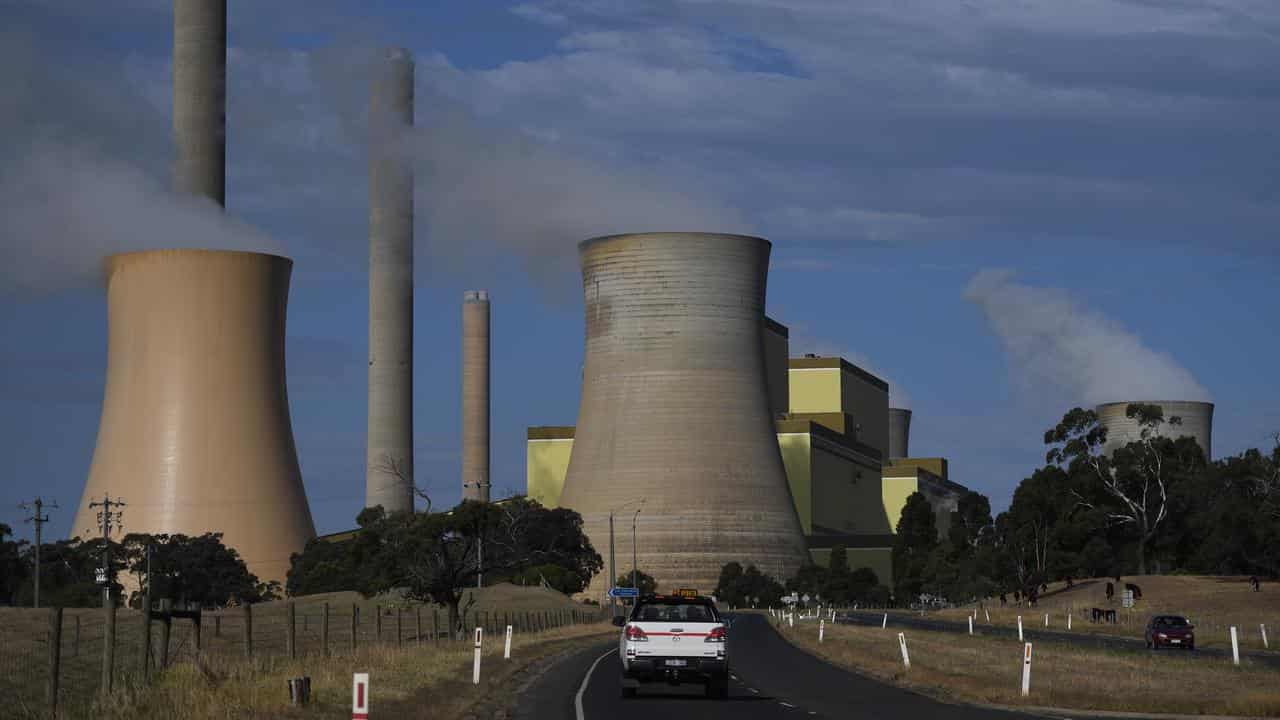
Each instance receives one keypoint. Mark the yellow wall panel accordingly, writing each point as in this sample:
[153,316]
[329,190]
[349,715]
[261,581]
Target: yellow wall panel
[895,492]
[547,463]
[796,450]
[815,390]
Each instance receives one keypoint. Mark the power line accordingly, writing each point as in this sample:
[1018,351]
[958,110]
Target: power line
[39,518]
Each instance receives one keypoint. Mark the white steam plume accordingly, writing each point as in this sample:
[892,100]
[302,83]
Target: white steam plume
[1052,341]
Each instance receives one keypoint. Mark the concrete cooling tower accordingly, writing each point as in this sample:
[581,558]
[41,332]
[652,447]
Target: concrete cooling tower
[1197,422]
[195,434]
[389,456]
[475,395]
[899,432]
[675,410]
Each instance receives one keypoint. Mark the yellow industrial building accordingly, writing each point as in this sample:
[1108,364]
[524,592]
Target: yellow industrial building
[832,422]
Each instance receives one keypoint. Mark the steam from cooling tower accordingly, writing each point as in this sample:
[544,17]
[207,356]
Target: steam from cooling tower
[389,456]
[1053,341]
[475,395]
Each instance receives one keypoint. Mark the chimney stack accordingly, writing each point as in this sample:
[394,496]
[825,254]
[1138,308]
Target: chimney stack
[475,395]
[899,432]
[200,97]
[389,461]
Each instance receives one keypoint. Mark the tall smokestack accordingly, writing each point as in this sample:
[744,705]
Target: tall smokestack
[200,97]
[475,396]
[389,462]
[899,432]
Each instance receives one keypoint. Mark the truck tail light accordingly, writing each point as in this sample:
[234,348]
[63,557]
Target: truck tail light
[635,634]
[717,635]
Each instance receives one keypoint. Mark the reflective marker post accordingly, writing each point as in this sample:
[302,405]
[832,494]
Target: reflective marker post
[1046,619]
[885,622]
[1019,628]
[1026,670]
[970,624]
[1068,620]
[506,649]
[821,627]
[475,666]
[1265,645]
[1235,646]
[360,697]
[906,659]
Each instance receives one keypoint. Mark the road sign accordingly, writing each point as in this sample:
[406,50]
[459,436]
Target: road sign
[100,576]
[623,592]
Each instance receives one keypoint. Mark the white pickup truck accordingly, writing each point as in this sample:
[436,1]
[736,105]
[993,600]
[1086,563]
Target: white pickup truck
[674,639]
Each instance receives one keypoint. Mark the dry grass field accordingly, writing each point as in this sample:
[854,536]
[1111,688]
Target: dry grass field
[384,623]
[981,669]
[1213,604]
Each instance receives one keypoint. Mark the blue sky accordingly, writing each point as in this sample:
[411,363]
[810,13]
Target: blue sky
[1005,210]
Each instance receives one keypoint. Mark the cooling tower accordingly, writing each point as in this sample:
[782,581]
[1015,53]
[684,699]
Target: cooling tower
[389,457]
[675,410]
[1197,422]
[200,97]
[475,395]
[899,432]
[195,433]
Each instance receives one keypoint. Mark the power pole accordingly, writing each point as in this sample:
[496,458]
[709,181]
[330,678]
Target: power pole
[39,519]
[106,517]
[613,601]
[634,583]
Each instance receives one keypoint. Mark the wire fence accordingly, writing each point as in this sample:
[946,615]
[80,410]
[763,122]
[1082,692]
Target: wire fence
[62,658]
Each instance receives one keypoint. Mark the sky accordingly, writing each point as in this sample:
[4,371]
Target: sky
[1004,209]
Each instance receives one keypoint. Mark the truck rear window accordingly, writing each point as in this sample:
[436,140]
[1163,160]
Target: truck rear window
[675,610]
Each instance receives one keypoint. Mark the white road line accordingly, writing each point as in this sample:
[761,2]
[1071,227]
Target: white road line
[577,699]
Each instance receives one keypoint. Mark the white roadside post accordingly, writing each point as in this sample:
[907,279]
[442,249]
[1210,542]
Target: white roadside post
[1265,645]
[1046,619]
[970,624]
[988,614]
[1068,620]
[1026,670]
[475,666]
[791,620]
[885,622]
[906,659]
[1020,628]
[506,648]
[1235,646]
[821,627]
[360,696]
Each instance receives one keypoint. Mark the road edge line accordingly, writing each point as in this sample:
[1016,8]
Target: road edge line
[577,699]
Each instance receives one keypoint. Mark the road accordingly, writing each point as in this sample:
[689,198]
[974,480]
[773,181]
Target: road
[1032,632]
[771,679]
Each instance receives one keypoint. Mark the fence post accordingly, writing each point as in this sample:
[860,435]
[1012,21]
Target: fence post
[109,648]
[217,623]
[163,658]
[75,648]
[435,626]
[55,657]
[377,626]
[146,633]
[195,630]
[291,634]
[417,623]
[324,632]
[399,630]
[248,630]
[355,626]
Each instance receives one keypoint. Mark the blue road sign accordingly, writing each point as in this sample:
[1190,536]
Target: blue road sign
[621,592]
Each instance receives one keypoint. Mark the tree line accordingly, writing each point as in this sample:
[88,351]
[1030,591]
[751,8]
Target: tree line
[1154,505]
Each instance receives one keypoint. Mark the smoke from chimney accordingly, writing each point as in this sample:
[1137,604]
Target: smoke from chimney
[1053,341]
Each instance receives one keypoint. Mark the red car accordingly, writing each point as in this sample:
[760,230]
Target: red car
[1170,631]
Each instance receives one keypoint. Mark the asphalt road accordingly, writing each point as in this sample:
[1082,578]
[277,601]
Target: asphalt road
[1032,632]
[771,679]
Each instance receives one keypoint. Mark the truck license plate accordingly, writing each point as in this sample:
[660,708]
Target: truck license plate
[677,663]
[1176,642]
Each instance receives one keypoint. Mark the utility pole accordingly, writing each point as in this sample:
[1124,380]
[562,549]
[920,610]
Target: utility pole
[39,519]
[106,518]
[613,578]
[634,518]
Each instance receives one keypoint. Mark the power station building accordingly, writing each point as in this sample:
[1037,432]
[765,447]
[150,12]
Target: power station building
[832,428]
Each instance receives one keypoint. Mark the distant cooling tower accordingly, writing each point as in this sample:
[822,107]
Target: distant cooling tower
[675,411]
[389,456]
[1197,422]
[195,433]
[475,395]
[899,432]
